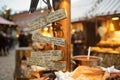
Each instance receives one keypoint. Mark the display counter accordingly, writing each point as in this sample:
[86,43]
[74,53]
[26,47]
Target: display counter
[109,51]
[109,43]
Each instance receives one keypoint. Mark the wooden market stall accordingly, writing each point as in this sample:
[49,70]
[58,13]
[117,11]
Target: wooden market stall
[108,19]
[55,55]
[5,24]
[102,28]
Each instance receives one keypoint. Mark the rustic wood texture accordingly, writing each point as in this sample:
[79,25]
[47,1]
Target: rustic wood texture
[66,25]
[20,52]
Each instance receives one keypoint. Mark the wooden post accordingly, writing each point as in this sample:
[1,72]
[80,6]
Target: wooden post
[20,52]
[66,25]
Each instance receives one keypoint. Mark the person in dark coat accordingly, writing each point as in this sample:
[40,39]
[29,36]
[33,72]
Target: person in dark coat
[2,43]
[23,39]
[78,41]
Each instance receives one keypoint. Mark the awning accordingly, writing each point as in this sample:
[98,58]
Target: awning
[79,9]
[7,22]
[107,7]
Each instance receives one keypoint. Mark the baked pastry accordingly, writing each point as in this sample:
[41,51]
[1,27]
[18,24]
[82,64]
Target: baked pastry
[88,73]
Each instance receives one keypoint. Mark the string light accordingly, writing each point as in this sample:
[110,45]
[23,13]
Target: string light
[115,18]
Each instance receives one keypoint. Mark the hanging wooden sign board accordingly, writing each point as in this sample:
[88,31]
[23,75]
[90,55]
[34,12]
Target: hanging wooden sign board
[52,65]
[49,59]
[49,54]
[51,40]
[57,15]
[43,21]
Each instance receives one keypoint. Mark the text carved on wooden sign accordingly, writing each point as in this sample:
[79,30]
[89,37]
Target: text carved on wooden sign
[52,17]
[44,39]
[49,59]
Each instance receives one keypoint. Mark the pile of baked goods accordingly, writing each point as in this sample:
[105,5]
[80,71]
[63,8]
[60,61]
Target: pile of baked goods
[89,73]
[115,77]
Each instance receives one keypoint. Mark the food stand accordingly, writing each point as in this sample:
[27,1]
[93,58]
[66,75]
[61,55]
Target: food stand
[46,64]
[109,51]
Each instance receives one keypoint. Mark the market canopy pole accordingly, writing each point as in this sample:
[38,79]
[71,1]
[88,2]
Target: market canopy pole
[66,23]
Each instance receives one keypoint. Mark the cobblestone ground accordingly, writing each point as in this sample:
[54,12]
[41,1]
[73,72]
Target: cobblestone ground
[7,65]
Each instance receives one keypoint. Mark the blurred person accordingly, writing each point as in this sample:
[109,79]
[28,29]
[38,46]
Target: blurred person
[78,41]
[102,30]
[9,42]
[14,36]
[23,39]
[3,43]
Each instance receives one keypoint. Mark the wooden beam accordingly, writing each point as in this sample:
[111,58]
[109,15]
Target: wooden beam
[66,25]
